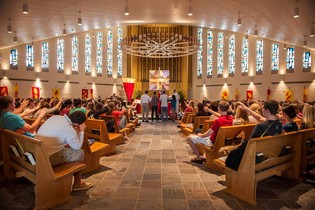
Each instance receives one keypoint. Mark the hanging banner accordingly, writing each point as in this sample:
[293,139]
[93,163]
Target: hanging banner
[236,95]
[305,95]
[35,92]
[91,93]
[288,94]
[16,90]
[225,95]
[85,93]
[129,85]
[56,93]
[268,94]
[4,91]
[249,95]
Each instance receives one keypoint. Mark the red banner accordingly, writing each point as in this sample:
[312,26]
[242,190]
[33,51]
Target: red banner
[129,85]
[35,92]
[85,93]
[249,95]
[91,93]
[4,91]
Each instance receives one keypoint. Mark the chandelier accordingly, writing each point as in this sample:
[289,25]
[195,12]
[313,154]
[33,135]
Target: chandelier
[159,45]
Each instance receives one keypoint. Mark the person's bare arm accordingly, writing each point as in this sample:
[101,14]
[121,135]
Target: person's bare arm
[31,128]
[212,112]
[257,116]
[22,107]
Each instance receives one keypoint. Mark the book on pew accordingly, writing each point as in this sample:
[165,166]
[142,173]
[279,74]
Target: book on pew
[91,141]
[15,151]
[285,150]
[30,158]
[260,157]
[96,131]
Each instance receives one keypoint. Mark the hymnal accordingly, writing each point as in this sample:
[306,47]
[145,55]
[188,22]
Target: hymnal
[15,151]
[29,157]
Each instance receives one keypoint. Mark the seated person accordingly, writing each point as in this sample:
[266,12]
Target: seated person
[63,137]
[289,114]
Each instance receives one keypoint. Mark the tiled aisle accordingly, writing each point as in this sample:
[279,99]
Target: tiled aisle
[153,171]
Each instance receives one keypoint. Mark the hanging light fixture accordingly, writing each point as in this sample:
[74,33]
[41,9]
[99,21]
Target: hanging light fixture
[64,31]
[79,19]
[15,39]
[25,8]
[126,8]
[296,10]
[9,26]
[256,32]
[312,31]
[239,20]
[305,41]
[190,9]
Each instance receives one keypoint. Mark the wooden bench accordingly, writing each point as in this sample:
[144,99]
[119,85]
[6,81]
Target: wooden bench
[223,133]
[52,184]
[198,121]
[130,125]
[243,183]
[123,131]
[103,135]
[30,121]
[190,119]
[308,152]
[207,124]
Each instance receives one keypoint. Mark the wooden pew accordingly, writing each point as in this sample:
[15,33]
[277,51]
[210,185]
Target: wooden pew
[223,133]
[308,147]
[30,121]
[122,131]
[199,120]
[207,124]
[103,135]
[130,125]
[52,184]
[184,118]
[190,119]
[243,183]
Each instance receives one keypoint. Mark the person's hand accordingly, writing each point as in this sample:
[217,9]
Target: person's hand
[38,106]
[82,127]
[20,131]
[242,106]
[43,112]
[199,134]
[25,103]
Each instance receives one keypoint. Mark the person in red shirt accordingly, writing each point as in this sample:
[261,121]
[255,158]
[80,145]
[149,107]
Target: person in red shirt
[208,138]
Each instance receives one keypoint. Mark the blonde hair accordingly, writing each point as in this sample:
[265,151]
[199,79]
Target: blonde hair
[241,114]
[309,116]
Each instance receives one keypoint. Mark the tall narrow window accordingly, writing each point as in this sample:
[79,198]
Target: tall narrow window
[259,56]
[199,53]
[13,59]
[119,52]
[88,53]
[75,54]
[109,52]
[290,59]
[60,54]
[245,56]
[29,57]
[220,53]
[45,56]
[275,57]
[232,55]
[209,53]
[99,53]
[307,62]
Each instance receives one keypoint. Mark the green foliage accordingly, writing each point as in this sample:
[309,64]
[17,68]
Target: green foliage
[181,95]
[138,93]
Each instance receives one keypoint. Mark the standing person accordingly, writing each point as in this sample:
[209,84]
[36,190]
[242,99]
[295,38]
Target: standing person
[177,100]
[164,106]
[173,108]
[154,105]
[145,99]
[63,137]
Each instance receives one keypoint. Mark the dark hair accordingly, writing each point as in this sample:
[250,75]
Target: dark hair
[5,101]
[68,102]
[272,106]
[290,111]
[77,117]
[77,102]
[224,106]
[146,92]
[200,107]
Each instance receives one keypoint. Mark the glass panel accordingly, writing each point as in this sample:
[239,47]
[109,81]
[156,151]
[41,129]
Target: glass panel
[119,52]
[307,62]
[13,57]
[275,57]
[232,54]
[259,55]
[60,54]
[245,55]
[75,53]
[45,55]
[109,52]
[29,55]
[199,53]
[88,53]
[99,53]
[290,58]
[209,52]
[220,52]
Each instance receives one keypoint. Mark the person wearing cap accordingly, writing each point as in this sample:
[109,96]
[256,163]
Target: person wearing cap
[63,137]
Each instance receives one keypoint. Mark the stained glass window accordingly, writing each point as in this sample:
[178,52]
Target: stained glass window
[199,53]
[29,56]
[99,53]
[275,57]
[290,58]
[88,53]
[209,52]
[259,55]
[307,62]
[109,52]
[232,55]
[220,52]
[75,54]
[119,52]
[60,54]
[245,56]
[45,56]
[13,58]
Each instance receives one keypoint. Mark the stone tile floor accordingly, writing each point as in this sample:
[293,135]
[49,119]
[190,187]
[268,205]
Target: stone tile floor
[153,171]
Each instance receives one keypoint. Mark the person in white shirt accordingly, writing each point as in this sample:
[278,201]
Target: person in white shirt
[164,106]
[177,100]
[145,100]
